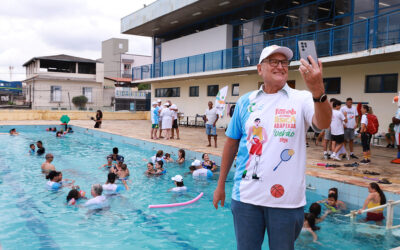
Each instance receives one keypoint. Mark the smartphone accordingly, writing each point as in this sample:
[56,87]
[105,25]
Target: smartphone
[307,48]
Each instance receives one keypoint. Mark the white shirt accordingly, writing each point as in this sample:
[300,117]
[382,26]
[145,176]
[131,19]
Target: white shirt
[97,202]
[202,172]
[285,117]
[111,189]
[364,119]
[351,116]
[337,122]
[211,115]
[174,113]
[154,159]
[179,189]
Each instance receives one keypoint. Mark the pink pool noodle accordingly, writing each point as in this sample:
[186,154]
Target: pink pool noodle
[321,164]
[177,204]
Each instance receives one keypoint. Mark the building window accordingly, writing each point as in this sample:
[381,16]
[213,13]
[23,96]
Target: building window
[381,83]
[168,92]
[127,66]
[332,85]
[88,93]
[55,94]
[235,89]
[194,91]
[212,90]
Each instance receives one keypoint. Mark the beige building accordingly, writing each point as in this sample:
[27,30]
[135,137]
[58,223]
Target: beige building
[52,82]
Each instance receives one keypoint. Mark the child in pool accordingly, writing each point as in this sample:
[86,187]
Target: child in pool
[150,169]
[159,168]
[315,209]
[207,163]
[74,195]
[167,158]
[181,156]
[309,225]
[109,164]
[179,186]
[332,203]
[123,173]
[32,149]
[334,190]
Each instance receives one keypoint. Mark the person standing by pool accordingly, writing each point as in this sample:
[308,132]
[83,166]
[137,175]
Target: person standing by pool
[166,117]
[275,200]
[211,118]
[350,125]
[375,198]
[160,107]
[175,126]
[41,150]
[154,120]
[99,119]
[365,136]
[47,166]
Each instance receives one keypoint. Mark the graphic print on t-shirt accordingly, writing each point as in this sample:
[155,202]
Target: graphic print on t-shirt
[256,137]
[284,124]
[286,155]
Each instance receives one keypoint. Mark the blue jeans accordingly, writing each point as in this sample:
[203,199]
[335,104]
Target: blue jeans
[283,225]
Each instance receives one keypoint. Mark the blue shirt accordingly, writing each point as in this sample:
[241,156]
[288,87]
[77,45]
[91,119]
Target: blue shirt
[156,116]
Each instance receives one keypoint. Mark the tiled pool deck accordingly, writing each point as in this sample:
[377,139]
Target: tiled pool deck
[194,139]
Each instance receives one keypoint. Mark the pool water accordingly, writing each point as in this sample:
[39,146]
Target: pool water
[33,217]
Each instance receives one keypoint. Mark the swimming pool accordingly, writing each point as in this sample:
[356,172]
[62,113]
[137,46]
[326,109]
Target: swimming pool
[33,217]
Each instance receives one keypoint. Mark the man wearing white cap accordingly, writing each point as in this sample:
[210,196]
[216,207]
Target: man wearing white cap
[154,120]
[180,187]
[199,171]
[270,195]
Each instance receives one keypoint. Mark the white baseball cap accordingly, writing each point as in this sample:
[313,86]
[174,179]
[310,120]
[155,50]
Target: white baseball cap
[173,106]
[267,51]
[177,178]
[158,100]
[196,163]
[166,104]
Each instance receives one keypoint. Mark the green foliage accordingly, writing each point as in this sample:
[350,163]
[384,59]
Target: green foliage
[80,101]
[144,86]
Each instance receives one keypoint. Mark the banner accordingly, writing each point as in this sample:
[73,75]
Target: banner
[220,101]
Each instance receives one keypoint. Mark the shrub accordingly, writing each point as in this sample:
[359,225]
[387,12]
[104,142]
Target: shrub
[80,101]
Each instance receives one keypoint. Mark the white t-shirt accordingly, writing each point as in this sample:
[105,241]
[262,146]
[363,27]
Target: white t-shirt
[109,189]
[337,122]
[351,116]
[202,172]
[211,115]
[97,202]
[174,113]
[154,159]
[179,189]
[364,119]
[166,116]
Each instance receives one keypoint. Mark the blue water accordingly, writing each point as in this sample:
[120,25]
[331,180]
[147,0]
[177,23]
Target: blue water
[35,218]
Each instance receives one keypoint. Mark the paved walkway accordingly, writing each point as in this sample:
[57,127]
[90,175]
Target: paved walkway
[195,139]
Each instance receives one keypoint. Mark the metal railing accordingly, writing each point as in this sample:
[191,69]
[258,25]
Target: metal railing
[389,213]
[374,32]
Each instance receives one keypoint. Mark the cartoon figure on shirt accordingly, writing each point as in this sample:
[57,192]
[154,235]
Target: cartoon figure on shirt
[256,136]
[396,122]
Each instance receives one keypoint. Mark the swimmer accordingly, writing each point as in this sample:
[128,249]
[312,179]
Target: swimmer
[375,198]
[332,203]
[309,225]
[32,149]
[98,201]
[117,165]
[54,129]
[315,209]
[123,172]
[41,150]
[74,195]
[157,157]
[159,168]
[13,131]
[59,134]
[180,187]
[54,182]
[109,164]
[69,131]
[207,163]
[111,188]
[115,156]
[181,156]
[47,166]
[340,204]
[150,169]
[200,172]
[167,158]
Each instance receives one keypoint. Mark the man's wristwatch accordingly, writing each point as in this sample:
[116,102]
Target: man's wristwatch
[322,98]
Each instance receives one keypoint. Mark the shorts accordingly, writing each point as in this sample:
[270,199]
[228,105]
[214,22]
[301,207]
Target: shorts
[154,126]
[365,141]
[348,134]
[374,216]
[211,130]
[175,123]
[338,138]
[327,136]
[256,149]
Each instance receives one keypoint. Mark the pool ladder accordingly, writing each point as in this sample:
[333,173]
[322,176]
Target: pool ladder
[389,213]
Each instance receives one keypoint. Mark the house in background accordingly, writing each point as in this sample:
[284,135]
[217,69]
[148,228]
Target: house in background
[52,82]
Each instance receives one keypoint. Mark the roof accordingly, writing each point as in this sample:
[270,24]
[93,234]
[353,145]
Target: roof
[119,79]
[61,57]
[164,16]
[61,78]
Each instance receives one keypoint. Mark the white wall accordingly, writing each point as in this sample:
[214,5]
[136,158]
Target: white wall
[218,38]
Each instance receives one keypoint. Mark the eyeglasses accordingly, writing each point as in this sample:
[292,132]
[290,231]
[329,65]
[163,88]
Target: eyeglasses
[275,62]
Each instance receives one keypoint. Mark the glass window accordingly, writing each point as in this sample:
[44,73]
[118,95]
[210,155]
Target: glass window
[363,6]
[342,7]
[332,85]
[167,92]
[324,10]
[235,89]
[381,83]
[212,90]
[55,94]
[194,91]
[88,93]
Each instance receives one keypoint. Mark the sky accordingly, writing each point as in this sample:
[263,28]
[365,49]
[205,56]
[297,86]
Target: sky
[34,28]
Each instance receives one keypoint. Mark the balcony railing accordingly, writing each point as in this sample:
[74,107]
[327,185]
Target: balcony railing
[374,32]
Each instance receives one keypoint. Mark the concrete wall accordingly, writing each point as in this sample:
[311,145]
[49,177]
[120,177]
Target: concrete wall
[352,85]
[218,38]
[111,51]
[19,115]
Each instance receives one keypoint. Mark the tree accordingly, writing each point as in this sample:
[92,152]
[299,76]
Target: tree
[80,101]
[144,86]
